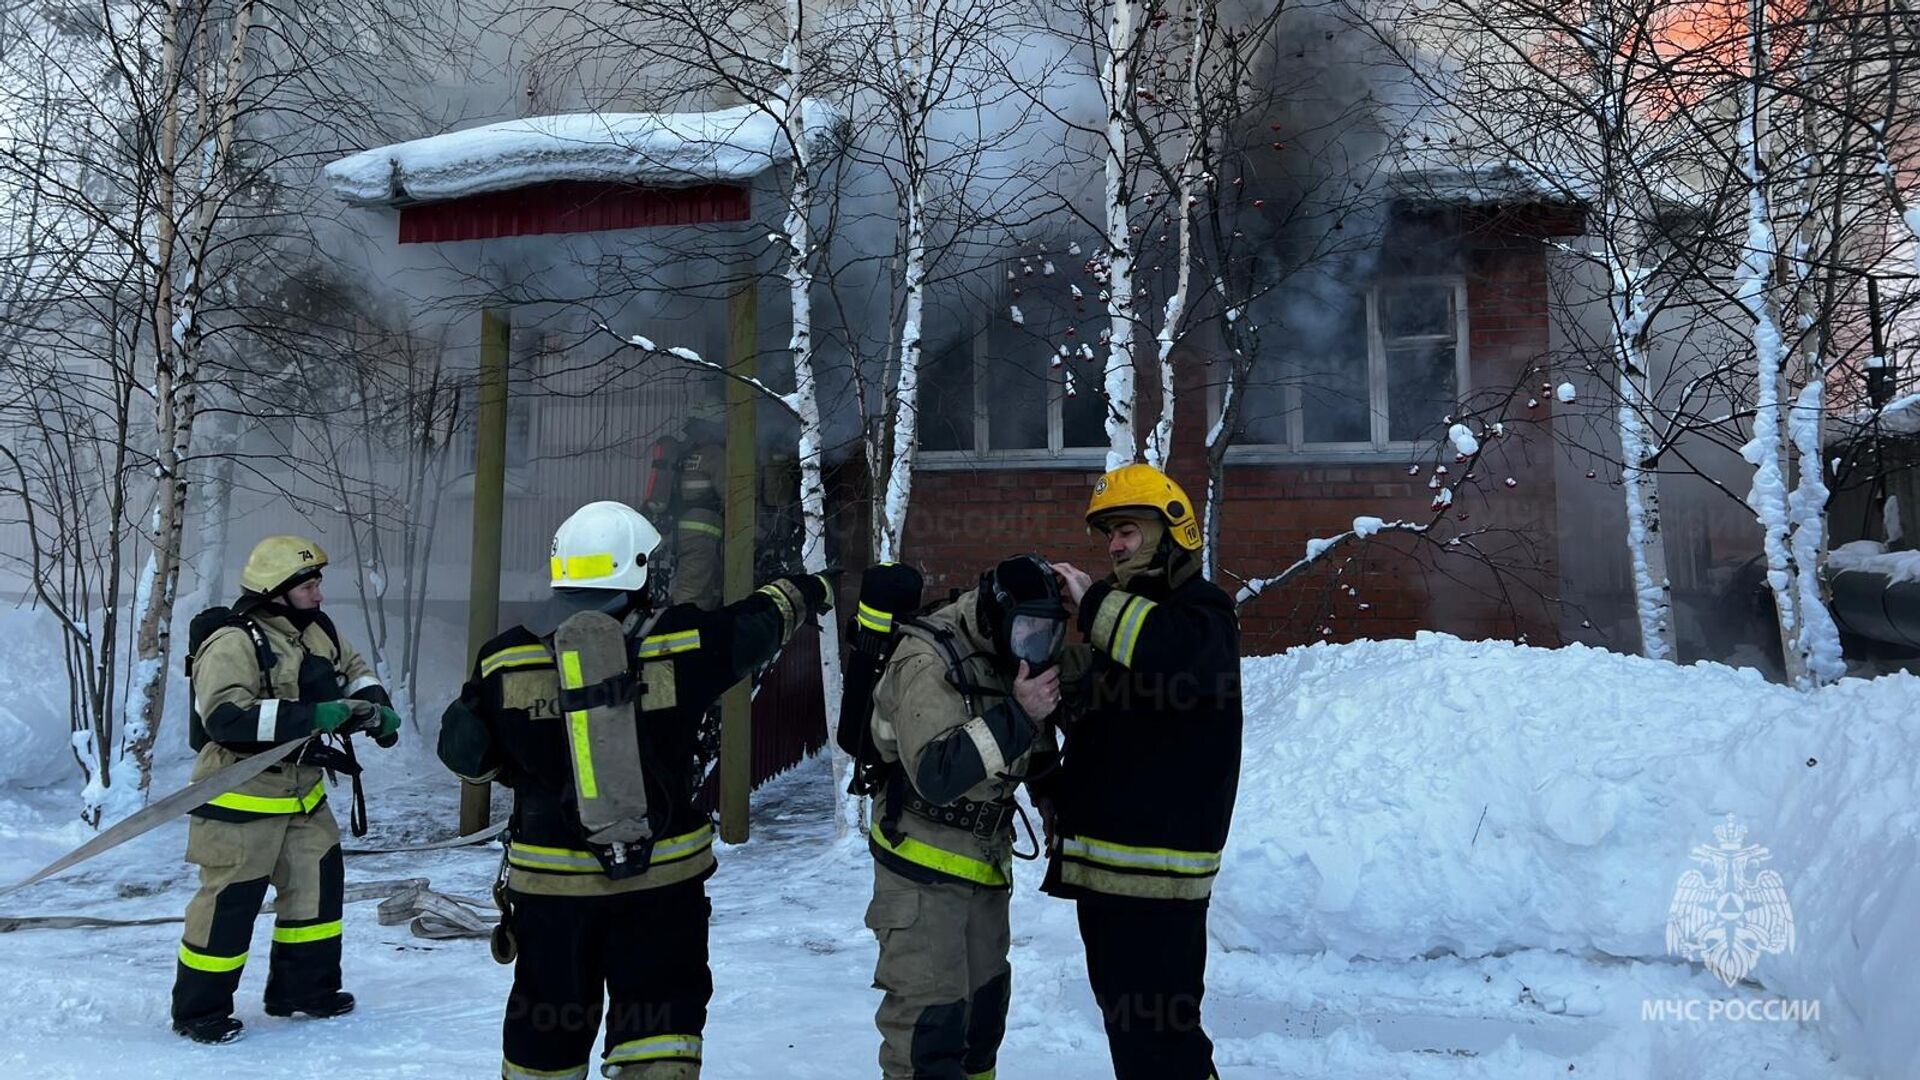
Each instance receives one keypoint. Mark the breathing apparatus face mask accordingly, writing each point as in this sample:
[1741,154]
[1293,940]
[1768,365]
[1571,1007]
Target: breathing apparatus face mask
[1035,633]
[1020,608]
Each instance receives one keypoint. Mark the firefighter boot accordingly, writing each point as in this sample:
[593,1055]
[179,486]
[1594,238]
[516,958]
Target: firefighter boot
[210,1029]
[324,1007]
[655,1070]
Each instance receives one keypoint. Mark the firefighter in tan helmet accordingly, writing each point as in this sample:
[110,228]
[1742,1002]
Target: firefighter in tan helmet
[1141,803]
[267,670]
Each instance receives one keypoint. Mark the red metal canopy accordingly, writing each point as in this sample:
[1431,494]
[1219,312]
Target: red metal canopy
[570,206]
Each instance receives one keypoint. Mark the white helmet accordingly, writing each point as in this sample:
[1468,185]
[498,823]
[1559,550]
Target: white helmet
[603,545]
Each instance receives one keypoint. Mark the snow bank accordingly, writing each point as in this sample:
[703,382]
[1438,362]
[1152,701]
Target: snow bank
[33,703]
[643,148]
[1410,798]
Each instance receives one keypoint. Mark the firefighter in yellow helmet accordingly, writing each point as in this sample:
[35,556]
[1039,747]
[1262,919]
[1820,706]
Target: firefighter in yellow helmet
[269,669]
[593,914]
[1141,803]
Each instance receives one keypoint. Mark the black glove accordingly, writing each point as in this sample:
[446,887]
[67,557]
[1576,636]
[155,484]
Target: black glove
[816,590]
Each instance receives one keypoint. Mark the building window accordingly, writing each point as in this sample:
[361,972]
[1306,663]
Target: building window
[1358,372]
[997,393]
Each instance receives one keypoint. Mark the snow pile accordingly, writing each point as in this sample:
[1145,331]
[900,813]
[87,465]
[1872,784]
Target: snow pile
[640,148]
[1872,557]
[33,702]
[1409,798]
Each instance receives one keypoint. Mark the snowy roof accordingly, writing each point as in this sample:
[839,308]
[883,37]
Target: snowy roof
[640,148]
[1901,416]
[1871,556]
[1494,183]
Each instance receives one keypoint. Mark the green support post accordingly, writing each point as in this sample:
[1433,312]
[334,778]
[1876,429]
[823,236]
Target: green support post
[736,706]
[489,499]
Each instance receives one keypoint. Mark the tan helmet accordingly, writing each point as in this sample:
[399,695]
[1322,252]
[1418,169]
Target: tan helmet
[1143,487]
[278,563]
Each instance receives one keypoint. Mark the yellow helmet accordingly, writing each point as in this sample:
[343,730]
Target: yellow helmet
[278,563]
[1143,487]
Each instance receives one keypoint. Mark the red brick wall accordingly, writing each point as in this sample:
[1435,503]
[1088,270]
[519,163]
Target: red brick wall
[961,522]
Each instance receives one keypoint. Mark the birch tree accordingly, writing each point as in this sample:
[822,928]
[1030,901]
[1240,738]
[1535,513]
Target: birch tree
[176,128]
[1583,97]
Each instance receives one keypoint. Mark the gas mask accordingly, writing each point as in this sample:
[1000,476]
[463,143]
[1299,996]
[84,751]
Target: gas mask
[1035,633]
[1020,610]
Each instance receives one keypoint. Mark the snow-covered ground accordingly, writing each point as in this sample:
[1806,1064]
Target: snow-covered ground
[1450,859]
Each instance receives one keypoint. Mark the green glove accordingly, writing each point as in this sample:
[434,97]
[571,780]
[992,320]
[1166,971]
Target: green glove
[331,716]
[388,732]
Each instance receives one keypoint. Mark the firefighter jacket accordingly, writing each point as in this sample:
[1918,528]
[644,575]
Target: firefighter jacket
[238,711]
[1151,763]
[945,813]
[702,478]
[507,726]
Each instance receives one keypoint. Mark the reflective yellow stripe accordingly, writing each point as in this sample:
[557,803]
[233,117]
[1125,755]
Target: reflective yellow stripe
[874,619]
[265,804]
[656,1048]
[510,1071]
[946,862]
[200,961]
[575,861]
[684,846]
[668,644]
[779,597]
[517,656]
[988,1075]
[700,527]
[582,750]
[1129,857]
[1143,886]
[581,567]
[553,860]
[1107,617]
[1127,635]
[300,935]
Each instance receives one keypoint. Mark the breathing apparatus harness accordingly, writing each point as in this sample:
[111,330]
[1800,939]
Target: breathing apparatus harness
[889,596]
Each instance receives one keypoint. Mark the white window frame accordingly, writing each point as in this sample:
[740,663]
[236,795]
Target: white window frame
[1379,446]
[1055,455]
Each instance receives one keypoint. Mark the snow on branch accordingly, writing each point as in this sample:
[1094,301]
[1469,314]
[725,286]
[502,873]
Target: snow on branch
[1363,528]
[684,355]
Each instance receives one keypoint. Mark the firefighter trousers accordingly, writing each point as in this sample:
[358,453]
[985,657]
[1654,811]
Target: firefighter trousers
[943,966]
[636,959]
[1147,961]
[697,559]
[299,855]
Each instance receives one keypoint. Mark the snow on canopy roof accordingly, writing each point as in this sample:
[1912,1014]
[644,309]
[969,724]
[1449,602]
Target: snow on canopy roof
[1899,417]
[640,148]
[1490,183]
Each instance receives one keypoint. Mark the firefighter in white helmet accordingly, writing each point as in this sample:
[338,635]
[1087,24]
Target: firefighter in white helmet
[625,920]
